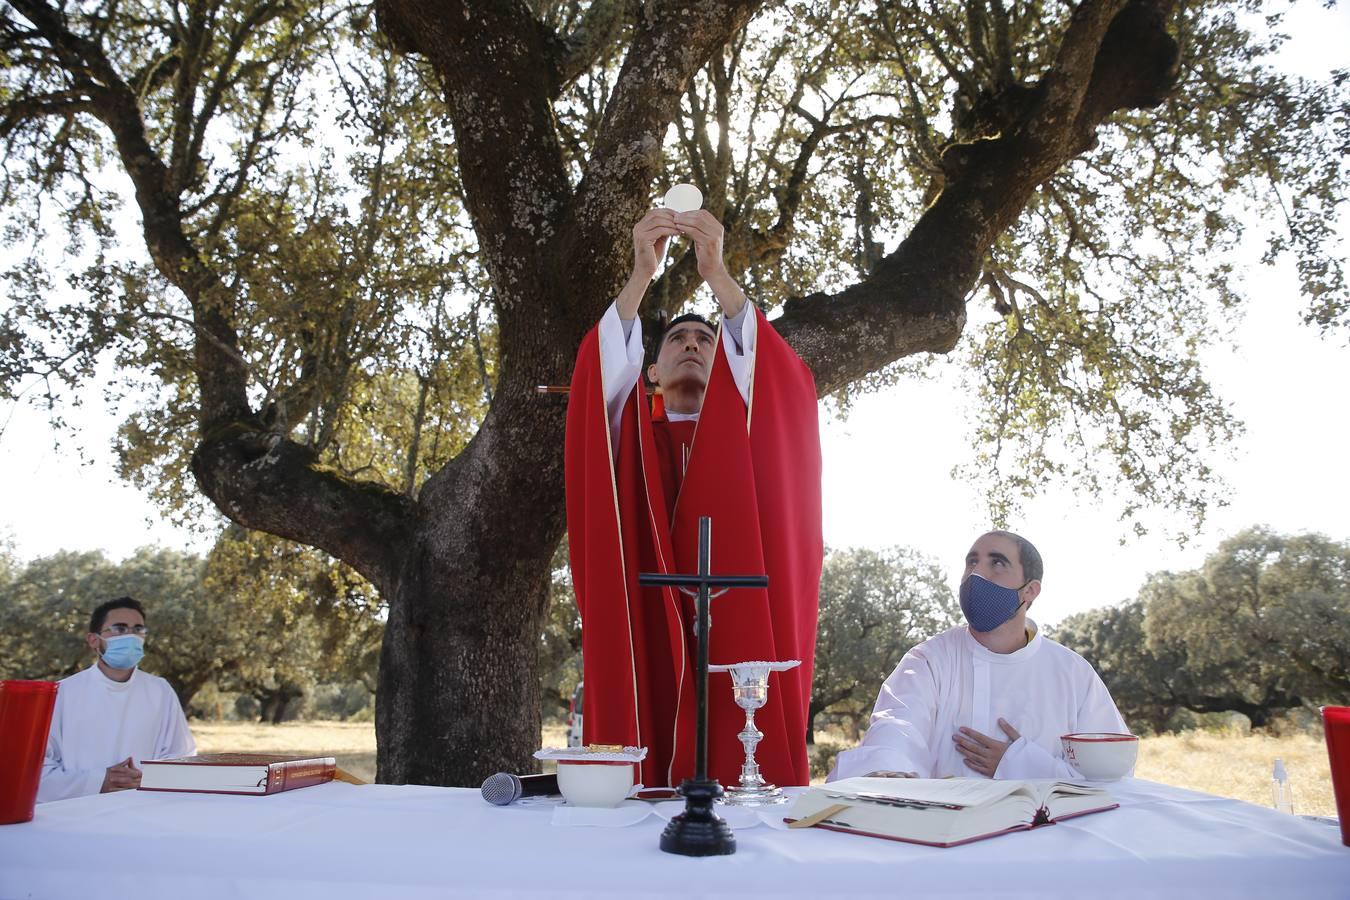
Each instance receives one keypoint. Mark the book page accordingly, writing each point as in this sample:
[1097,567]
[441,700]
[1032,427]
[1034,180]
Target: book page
[1062,798]
[1047,790]
[964,792]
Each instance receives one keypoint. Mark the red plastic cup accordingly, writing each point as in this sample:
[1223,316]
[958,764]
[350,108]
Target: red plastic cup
[25,717]
[1336,722]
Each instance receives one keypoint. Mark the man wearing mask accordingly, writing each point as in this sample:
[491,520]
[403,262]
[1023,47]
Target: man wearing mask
[111,715]
[988,698]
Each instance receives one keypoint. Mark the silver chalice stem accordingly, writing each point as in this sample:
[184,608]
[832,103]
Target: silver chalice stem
[750,687]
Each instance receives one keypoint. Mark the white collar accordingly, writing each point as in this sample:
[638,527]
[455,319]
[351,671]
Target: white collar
[114,685]
[1021,655]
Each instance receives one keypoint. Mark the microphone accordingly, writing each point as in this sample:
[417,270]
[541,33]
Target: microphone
[504,788]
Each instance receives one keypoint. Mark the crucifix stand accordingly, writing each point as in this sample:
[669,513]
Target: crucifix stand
[699,830]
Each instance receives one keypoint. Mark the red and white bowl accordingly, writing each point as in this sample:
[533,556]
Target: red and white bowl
[1101,755]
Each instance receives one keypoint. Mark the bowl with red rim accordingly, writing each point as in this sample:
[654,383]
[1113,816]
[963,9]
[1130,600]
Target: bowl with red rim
[1101,755]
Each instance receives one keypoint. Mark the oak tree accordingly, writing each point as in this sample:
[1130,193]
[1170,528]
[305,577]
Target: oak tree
[363,241]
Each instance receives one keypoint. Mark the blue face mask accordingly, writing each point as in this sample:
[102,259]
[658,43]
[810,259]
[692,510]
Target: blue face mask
[987,605]
[123,651]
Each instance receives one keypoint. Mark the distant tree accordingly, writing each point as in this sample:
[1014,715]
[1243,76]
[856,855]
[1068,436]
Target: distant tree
[874,606]
[8,564]
[259,616]
[1112,639]
[1263,626]
[560,643]
[44,613]
[300,619]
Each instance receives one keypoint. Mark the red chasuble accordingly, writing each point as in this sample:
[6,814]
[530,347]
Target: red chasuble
[756,472]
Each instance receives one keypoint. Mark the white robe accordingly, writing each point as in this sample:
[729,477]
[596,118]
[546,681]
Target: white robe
[621,359]
[1043,691]
[98,722]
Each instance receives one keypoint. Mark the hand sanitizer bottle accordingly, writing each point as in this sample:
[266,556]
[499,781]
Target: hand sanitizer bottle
[1279,789]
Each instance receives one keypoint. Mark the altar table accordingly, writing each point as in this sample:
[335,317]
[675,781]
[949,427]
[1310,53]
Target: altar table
[382,841]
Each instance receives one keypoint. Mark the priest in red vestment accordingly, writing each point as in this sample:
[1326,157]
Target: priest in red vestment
[734,437]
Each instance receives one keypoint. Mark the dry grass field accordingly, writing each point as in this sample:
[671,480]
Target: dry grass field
[1230,765]
[1239,766]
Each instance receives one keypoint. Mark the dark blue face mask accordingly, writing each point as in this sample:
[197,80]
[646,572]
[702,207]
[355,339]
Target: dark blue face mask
[987,605]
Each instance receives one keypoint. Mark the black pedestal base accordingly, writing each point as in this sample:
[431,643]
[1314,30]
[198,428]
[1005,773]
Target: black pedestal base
[699,830]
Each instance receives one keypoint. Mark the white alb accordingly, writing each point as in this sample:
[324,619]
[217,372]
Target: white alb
[1043,690]
[98,722]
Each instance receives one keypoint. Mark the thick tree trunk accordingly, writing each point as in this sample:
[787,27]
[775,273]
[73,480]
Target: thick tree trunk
[273,705]
[459,695]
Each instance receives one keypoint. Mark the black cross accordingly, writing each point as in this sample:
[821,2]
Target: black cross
[699,831]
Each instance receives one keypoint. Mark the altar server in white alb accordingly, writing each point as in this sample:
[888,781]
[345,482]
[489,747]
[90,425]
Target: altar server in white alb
[111,715]
[991,698]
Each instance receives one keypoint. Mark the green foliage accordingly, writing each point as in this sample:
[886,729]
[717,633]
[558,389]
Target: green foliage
[45,611]
[299,620]
[1263,626]
[874,606]
[560,644]
[1122,270]
[1112,638]
[320,186]
[259,617]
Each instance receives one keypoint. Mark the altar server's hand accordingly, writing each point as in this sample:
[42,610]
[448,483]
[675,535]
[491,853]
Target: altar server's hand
[982,752]
[121,777]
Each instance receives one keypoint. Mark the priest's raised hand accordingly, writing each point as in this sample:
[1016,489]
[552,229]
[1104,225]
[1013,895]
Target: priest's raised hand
[651,235]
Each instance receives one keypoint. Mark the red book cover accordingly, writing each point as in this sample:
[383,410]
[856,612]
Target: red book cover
[236,773]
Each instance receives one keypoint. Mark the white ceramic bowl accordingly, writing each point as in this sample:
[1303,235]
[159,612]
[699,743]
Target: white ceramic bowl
[594,783]
[1101,756]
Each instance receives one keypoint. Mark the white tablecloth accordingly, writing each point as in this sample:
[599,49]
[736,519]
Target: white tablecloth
[338,840]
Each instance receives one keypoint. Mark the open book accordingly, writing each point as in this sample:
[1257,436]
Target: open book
[942,812]
[236,773]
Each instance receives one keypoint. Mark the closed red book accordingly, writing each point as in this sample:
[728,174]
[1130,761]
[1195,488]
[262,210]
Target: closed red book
[236,773]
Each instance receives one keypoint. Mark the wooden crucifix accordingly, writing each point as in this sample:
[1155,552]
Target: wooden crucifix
[699,831]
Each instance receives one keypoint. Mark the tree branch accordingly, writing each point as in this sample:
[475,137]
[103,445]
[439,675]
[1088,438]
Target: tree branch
[223,382]
[590,40]
[914,301]
[671,43]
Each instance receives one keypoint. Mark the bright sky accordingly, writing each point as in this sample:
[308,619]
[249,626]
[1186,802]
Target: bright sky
[887,467]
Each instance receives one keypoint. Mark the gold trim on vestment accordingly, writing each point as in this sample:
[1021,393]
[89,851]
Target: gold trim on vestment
[618,526]
[668,593]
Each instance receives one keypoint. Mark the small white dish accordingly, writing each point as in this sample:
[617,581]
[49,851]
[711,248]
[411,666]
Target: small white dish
[603,784]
